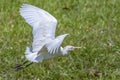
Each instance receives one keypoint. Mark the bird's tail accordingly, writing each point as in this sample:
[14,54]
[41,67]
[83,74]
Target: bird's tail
[32,56]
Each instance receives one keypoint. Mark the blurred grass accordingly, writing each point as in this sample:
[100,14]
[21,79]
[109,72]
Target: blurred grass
[93,24]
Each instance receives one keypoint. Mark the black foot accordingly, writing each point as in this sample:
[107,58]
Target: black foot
[22,66]
[18,67]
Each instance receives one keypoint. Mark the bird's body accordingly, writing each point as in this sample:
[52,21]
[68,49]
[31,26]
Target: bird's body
[45,45]
[43,54]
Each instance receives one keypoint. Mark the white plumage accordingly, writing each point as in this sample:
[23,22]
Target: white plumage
[44,45]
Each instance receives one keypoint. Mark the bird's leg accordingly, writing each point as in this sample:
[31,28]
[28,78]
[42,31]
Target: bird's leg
[25,62]
[28,64]
[23,67]
[20,66]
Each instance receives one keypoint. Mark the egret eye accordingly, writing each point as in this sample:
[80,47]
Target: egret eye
[72,48]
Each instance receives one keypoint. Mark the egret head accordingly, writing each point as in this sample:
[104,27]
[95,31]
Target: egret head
[70,48]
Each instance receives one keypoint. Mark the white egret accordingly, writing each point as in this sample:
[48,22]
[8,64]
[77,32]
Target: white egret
[45,45]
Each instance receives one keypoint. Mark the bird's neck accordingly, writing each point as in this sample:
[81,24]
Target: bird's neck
[64,51]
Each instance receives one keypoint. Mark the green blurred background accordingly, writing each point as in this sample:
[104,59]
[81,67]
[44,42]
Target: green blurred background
[93,24]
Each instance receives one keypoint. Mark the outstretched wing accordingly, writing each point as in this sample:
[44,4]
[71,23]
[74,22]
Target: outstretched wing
[54,46]
[43,24]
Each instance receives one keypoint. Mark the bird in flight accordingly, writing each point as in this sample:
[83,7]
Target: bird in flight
[45,45]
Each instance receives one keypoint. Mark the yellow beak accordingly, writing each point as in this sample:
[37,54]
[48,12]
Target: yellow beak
[77,47]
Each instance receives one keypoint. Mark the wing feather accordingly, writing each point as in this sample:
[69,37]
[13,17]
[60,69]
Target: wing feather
[43,24]
[54,45]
